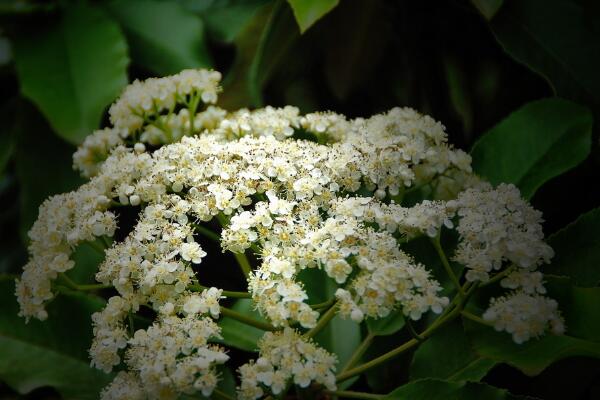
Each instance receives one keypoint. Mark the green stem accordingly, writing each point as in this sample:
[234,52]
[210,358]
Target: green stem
[323,321]
[207,232]
[412,330]
[348,394]
[131,324]
[243,262]
[104,240]
[227,312]
[475,318]
[359,352]
[324,304]
[499,275]
[96,246]
[241,258]
[438,247]
[226,293]
[82,288]
[440,321]
[192,108]
[222,395]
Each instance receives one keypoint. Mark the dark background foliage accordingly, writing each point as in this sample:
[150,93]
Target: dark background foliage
[469,64]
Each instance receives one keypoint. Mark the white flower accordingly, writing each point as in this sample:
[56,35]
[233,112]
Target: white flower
[192,252]
[524,315]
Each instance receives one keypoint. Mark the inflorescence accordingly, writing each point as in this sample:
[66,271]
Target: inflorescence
[333,203]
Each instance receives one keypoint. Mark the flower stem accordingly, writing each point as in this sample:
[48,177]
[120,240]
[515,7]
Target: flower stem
[358,353]
[193,106]
[324,304]
[82,287]
[227,312]
[475,318]
[207,232]
[226,293]
[325,318]
[499,275]
[241,258]
[438,247]
[222,395]
[440,321]
[243,262]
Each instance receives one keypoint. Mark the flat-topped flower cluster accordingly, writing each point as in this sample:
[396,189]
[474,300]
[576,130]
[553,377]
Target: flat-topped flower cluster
[334,203]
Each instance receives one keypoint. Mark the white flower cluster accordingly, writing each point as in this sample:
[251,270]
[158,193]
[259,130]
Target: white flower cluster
[295,235]
[294,203]
[497,226]
[65,221]
[155,111]
[286,357]
[525,315]
[171,357]
[147,100]
[96,148]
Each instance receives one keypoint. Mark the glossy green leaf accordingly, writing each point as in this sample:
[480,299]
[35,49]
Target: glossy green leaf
[224,19]
[73,69]
[237,334]
[307,12]
[578,306]
[260,49]
[461,363]
[582,337]
[434,389]
[43,165]
[577,250]
[50,353]
[87,259]
[388,325]
[537,142]
[163,36]
[488,8]
[556,39]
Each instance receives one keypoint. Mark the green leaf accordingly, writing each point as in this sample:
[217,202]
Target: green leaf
[260,48]
[87,259]
[43,165]
[582,338]
[73,69]
[434,389]
[237,334]
[388,325]
[531,357]
[50,353]
[537,142]
[578,306]
[488,8]
[163,37]
[223,19]
[577,250]
[556,39]
[307,12]
[461,363]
